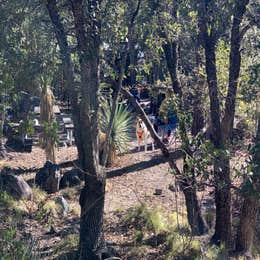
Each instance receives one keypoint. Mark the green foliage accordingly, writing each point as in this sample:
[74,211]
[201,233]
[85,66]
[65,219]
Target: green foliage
[138,236]
[26,126]
[216,253]
[121,130]
[182,247]
[38,195]
[168,108]
[151,220]
[13,248]
[11,244]
[6,201]
[47,211]
[67,244]
[50,131]
[179,243]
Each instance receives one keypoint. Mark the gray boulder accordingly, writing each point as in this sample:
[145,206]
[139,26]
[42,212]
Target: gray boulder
[63,205]
[71,178]
[48,177]
[15,186]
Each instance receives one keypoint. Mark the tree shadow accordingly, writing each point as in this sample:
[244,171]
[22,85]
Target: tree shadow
[157,159]
[19,171]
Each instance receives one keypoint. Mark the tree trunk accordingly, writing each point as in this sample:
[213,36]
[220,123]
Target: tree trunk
[221,161]
[247,225]
[196,221]
[234,69]
[65,55]
[221,165]
[222,200]
[250,208]
[3,152]
[198,121]
[91,219]
[92,197]
[222,133]
[198,225]
[85,116]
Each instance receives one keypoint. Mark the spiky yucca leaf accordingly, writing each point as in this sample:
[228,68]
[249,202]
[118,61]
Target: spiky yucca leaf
[123,122]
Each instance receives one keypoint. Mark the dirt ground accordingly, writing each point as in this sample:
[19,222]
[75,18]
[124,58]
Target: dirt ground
[132,180]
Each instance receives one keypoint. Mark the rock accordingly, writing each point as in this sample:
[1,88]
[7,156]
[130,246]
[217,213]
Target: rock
[15,186]
[48,178]
[71,178]
[108,253]
[157,192]
[64,206]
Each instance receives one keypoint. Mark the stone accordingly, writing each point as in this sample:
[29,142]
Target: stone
[15,186]
[48,177]
[71,178]
[158,192]
[63,205]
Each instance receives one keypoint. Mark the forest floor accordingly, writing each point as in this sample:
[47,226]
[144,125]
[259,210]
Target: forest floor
[130,193]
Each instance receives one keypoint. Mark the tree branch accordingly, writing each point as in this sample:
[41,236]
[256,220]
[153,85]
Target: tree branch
[150,128]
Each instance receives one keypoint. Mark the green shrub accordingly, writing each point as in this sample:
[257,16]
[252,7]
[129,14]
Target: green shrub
[6,201]
[13,248]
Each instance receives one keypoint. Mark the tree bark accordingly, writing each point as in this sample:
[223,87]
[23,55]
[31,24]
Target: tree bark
[65,55]
[221,161]
[234,69]
[92,197]
[250,208]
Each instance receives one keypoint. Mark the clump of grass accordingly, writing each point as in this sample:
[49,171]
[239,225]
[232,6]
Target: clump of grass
[38,195]
[138,236]
[67,244]
[177,220]
[11,247]
[6,201]
[138,252]
[152,220]
[173,228]
[216,253]
[75,209]
[182,246]
[70,193]
[51,207]
[47,211]
[256,250]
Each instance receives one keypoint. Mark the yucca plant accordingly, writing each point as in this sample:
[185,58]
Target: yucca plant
[48,138]
[121,130]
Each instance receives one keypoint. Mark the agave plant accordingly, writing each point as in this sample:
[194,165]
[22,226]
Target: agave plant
[121,130]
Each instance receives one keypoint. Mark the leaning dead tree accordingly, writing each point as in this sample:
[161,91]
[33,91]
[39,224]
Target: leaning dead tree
[195,218]
[47,118]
